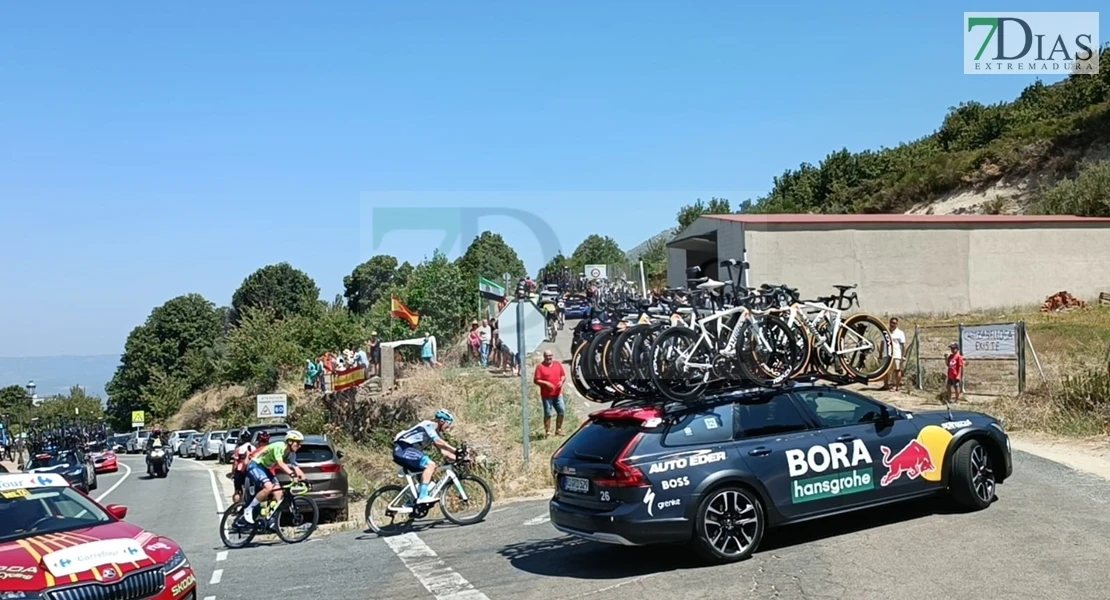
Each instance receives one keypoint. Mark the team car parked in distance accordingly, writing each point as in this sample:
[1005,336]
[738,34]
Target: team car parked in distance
[719,473]
[56,543]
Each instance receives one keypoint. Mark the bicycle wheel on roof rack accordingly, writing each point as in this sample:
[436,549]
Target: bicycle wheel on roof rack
[621,362]
[641,352]
[861,346]
[768,353]
[597,354]
[578,375]
[671,373]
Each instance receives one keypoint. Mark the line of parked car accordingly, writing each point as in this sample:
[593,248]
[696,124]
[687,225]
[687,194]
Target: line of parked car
[320,460]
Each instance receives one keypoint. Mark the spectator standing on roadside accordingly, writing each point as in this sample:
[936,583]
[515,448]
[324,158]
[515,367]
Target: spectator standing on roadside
[426,354]
[309,375]
[897,352]
[473,340]
[485,336]
[375,354]
[550,376]
[955,372]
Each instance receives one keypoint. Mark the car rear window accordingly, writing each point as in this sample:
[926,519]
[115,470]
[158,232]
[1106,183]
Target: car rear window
[314,454]
[600,441]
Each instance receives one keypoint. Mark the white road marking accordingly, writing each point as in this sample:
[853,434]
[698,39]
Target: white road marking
[216,492]
[116,484]
[538,520]
[217,575]
[221,556]
[430,570]
[209,598]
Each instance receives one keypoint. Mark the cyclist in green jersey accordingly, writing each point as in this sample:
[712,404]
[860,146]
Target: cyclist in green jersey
[282,455]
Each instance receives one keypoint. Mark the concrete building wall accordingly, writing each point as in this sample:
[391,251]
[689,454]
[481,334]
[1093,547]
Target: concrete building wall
[955,269]
[906,265]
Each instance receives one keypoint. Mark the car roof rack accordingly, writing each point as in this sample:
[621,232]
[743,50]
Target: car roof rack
[732,393]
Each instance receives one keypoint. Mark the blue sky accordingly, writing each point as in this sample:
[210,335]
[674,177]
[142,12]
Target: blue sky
[153,150]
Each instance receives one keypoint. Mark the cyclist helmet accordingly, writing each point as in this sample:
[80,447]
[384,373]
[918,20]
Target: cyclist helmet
[445,415]
[294,436]
[264,437]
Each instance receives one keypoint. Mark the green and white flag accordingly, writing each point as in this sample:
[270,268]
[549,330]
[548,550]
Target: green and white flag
[490,290]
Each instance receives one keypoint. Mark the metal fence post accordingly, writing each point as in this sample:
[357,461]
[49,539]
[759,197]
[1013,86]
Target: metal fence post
[917,344]
[1020,344]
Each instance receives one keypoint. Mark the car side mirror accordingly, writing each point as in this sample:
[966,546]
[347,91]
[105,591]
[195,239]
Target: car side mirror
[118,511]
[339,455]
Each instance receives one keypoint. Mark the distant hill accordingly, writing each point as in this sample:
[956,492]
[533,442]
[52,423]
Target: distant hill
[56,374]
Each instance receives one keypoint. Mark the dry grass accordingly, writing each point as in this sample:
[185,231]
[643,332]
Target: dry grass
[488,418]
[1072,348]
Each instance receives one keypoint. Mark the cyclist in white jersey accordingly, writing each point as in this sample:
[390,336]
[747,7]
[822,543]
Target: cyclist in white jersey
[409,445]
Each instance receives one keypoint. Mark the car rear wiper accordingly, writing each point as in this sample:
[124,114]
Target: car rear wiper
[589,457]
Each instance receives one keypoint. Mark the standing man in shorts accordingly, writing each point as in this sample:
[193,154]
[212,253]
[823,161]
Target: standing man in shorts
[550,377]
[955,372]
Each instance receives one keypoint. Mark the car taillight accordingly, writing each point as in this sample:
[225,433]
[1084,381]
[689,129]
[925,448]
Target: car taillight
[624,474]
[330,468]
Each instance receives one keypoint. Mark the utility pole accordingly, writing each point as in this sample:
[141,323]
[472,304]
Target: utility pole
[521,294]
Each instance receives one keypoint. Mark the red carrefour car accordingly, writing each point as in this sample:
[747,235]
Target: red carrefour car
[58,544]
[104,460]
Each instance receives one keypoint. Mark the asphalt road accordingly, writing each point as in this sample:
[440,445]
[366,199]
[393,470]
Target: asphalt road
[1044,538]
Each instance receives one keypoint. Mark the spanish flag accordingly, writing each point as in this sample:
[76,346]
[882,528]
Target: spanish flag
[399,310]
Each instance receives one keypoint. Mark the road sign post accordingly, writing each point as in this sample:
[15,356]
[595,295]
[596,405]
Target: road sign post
[271,406]
[522,356]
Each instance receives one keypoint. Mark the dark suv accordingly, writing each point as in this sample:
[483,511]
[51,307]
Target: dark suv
[719,473]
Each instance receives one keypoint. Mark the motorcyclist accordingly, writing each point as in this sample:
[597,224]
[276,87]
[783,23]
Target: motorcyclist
[157,439]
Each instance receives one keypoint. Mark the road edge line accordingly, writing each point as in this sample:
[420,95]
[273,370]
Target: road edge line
[116,484]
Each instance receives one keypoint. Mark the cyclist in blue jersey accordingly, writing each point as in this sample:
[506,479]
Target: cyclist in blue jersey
[409,445]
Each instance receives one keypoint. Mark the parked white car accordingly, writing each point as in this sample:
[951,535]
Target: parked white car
[227,449]
[177,437]
[210,445]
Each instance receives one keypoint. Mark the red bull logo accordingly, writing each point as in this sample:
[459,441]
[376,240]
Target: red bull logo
[913,460]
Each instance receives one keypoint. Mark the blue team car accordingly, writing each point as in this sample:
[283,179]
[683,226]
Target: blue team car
[717,474]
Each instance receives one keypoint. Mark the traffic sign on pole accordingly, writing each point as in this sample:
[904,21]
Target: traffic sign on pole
[138,418]
[271,406]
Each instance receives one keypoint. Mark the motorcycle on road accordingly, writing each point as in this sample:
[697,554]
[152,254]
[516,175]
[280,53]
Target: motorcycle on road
[156,465]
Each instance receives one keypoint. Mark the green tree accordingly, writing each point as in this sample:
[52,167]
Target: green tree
[75,405]
[369,281]
[596,250]
[14,397]
[555,265]
[1088,195]
[186,326]
[261,349]
[282,288]
[490,257]
[437,292]
[690,213]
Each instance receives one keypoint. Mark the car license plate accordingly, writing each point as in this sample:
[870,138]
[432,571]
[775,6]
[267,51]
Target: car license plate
[576,484]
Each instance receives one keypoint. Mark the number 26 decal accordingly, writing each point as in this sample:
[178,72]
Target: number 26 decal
[604,496]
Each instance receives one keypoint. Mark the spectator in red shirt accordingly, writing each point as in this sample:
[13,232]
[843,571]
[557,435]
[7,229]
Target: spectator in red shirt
[955,372]
[550,377]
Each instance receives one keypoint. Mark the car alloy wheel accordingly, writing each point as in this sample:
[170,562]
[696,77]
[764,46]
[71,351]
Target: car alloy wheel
[982,475]
[730,525]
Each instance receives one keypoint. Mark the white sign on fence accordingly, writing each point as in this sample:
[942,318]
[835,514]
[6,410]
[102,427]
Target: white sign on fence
[991,341]
[596,272]
[271,406]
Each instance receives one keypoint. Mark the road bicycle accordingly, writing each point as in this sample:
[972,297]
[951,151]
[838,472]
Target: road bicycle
[272,516]
[402,510]
[833,339]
